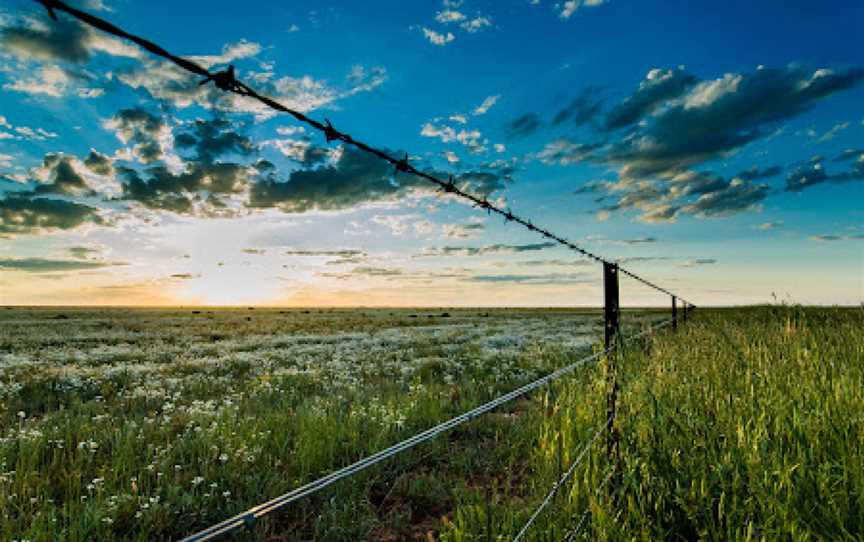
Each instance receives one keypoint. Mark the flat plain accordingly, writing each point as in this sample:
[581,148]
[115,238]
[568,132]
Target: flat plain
[139,424]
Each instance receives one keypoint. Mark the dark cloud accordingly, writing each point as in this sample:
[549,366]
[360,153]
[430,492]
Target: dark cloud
[42,265]
[676,124]
[213,138]
[814,172]
[755,173]
[717,117]
[183,276]
[63,177]
[21,214]
[62,40]
[658,86]
[141,128]
[581,110]
[200,184]
[356,178]
[484,250]
[99,163]
[523,126]
[536,280]
[737,196]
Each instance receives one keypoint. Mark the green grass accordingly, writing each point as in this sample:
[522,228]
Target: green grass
[147,425]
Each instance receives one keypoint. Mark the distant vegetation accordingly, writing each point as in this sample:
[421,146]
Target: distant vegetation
[143,425]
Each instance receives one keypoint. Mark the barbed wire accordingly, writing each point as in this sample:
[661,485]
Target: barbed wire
[227,81]
[248,518]
[563,480]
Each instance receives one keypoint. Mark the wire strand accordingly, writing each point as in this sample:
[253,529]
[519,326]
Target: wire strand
[563,480]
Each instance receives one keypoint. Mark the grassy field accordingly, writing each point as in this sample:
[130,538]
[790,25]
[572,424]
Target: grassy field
[132,424]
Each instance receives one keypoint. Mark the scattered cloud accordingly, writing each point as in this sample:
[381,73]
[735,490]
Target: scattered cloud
[567,9]
[831,237]
[437,38]
[44,265]
[484,250]
[766,226]
[523,126]
[581,110]
[487,104]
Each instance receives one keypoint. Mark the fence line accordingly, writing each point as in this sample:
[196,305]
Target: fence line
[227,81]
[249,517]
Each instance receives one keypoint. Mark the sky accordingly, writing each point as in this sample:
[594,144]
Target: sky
[716,149]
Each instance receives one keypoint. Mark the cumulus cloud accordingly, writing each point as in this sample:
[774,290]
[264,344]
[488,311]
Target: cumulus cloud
[147,133]
[210,139]
[675,123]
[814,172]
[438,38]
[716,117]
[24,214]
[99,163]
[568,8]
[197,190]
[658,86]
[355,178]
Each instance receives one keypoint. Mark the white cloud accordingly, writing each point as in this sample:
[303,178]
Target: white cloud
[572,6]
[487,104]
[832,133]
[49,80]
[476,24]
[450,16]
[6,160]
[438,38]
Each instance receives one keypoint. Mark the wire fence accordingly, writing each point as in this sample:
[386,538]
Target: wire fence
[249,517]
[227,81]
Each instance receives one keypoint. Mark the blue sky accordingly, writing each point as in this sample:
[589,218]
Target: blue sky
[717,149]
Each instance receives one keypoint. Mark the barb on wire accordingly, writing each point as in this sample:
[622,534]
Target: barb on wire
[226,81]
[563,480]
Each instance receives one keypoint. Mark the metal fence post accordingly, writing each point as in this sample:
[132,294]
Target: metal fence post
[684,312]
[612,322]
[674,313]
